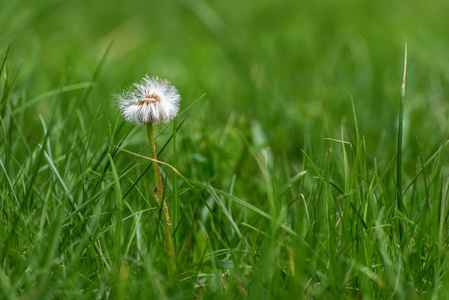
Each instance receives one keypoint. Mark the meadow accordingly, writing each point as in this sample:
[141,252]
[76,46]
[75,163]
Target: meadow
[293,170]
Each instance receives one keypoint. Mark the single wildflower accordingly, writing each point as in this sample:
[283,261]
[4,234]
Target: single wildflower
[151,100]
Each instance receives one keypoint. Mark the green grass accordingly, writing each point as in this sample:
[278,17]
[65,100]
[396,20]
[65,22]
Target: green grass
[288,165]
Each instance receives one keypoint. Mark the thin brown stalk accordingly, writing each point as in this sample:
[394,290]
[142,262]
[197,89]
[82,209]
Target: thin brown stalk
[159,195]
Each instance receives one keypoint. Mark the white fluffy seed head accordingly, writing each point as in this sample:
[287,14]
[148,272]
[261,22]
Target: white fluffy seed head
[152,100]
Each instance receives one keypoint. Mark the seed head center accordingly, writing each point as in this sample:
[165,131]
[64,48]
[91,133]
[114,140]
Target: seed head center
[149,98]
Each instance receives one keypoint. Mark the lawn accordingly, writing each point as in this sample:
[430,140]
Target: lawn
[291,170]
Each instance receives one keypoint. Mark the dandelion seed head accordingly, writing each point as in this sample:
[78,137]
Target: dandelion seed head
[149,101]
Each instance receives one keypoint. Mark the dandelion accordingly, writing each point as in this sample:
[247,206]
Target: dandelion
[152,101]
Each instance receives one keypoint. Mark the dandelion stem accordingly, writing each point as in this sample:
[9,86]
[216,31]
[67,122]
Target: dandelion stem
[160,195]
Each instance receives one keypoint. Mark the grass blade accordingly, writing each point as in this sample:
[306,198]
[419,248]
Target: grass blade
[44,142]
[400,129]
[119,203]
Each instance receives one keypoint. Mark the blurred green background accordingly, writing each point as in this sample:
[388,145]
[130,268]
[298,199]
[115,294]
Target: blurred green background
[275,74]
[289,65]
